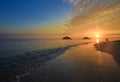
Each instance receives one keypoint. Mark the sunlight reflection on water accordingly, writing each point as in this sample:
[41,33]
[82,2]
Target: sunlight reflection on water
[97,40]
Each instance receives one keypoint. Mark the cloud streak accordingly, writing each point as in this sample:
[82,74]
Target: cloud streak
[89,14]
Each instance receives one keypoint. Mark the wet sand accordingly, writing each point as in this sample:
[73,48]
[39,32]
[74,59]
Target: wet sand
[78,64]
[111,47]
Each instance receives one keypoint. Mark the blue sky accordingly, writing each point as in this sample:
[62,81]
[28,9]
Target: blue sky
[25,14]
[48,18]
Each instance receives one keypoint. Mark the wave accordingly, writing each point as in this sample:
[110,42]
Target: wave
[20,66]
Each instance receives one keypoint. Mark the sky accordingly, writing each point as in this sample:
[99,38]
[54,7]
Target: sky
[95,16]
[53,19]
[33,18]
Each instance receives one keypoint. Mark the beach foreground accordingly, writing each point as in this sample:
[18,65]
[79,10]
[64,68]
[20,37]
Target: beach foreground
[78,64]
[111,47]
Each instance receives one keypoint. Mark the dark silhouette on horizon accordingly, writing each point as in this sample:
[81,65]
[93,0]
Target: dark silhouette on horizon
[86,37]
[107,39]
[67,38]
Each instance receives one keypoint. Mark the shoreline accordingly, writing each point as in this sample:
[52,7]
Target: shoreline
[111,47]
[77,64]
[33,60]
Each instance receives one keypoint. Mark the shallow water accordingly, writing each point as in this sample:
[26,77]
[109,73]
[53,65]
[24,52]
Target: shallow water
[78,64]
[45,61]
[18,57]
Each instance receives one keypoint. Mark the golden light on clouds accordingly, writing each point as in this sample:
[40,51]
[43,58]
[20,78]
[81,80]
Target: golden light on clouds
[87,15]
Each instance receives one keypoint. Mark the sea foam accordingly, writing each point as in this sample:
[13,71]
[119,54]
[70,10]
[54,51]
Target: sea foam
[21,66]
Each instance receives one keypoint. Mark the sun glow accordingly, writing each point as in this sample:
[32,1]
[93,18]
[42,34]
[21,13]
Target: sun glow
[97,36]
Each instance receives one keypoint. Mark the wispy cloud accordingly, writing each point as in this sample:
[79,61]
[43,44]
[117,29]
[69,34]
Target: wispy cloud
[87,14]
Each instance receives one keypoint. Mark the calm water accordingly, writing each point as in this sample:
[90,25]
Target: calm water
[78,64]
[13,48]
[17,57]
[41,61]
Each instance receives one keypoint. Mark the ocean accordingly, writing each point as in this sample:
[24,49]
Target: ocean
[20,57]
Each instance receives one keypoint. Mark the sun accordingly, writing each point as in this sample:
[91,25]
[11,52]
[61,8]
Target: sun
[97,35]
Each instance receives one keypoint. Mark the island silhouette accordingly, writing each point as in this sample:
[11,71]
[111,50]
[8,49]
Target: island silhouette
[86,37]
[67,38]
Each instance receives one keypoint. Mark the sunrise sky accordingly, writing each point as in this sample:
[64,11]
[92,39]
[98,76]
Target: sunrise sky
[52,19]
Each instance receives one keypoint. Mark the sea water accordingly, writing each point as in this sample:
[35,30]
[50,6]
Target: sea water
[18,57]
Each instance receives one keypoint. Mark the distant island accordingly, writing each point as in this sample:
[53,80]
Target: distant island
[66,38]
[86,37]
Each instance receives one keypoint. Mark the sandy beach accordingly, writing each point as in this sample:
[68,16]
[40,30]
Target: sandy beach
[78,64]
[111,47]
